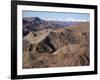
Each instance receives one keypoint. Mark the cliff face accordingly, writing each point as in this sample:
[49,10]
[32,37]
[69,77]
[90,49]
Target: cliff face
[56,47]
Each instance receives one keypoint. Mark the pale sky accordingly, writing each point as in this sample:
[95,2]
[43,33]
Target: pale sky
[59,16]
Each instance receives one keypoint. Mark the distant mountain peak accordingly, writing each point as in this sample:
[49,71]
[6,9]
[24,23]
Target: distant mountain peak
[36,19]
[31,19]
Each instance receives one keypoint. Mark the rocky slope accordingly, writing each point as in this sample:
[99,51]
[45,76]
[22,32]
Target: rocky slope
[37,24]
[56,47]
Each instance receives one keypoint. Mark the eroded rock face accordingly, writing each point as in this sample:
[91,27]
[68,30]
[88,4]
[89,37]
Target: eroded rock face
[48,42]
[56,48]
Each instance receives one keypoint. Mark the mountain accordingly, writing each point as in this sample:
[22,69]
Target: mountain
[67,46]
[37,24]
[48,41]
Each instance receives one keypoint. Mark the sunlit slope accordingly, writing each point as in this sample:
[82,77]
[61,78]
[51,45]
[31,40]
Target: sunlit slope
[82,27]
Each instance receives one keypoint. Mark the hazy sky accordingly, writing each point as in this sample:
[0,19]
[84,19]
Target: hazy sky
[60,16]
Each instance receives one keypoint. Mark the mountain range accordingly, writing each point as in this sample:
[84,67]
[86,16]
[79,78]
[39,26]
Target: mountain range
[55,43]
[37,24]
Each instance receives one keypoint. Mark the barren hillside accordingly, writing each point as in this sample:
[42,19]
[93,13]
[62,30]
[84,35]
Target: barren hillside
[57,47]
[81,27]
[55,43]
